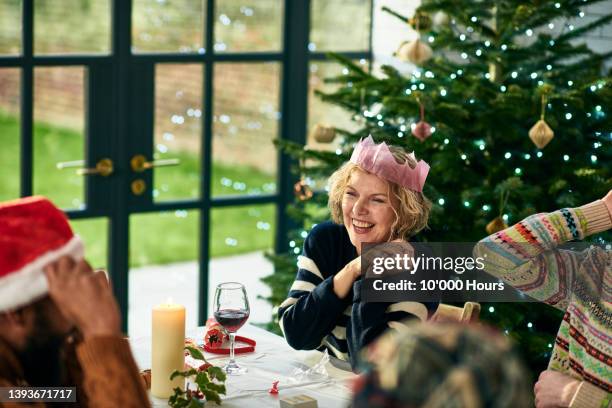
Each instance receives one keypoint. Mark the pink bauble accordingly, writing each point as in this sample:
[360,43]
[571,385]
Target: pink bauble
[421,130]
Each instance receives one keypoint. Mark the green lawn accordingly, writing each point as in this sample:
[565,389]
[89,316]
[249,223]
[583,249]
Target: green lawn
[154,238]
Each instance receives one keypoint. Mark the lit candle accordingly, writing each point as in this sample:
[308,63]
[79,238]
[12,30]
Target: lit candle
[167,348]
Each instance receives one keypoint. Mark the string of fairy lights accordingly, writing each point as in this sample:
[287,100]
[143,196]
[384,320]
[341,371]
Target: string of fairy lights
[419,83]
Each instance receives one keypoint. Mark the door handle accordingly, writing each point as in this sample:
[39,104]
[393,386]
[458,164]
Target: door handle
[104,167]
[139,163]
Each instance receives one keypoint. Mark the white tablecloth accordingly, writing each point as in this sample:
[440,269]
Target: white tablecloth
[272,360]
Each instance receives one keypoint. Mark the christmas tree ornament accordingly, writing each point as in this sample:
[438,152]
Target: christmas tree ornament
[440,19]
[541,134]
[523,12]
[420,21]
[495,72]
[496,225]
[415,51]
[302,190]
[323,133]
[422,129]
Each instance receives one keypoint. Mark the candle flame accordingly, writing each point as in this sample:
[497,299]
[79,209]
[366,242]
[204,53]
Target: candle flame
[169,301]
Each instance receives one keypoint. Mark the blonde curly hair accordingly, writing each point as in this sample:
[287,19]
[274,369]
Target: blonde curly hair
[412,212]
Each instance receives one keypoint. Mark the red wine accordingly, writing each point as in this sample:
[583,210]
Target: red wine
[231,319]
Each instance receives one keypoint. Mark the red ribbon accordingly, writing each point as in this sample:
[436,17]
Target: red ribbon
[237,350]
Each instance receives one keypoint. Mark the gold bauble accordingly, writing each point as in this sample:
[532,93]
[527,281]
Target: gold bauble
[323,133]
[541,134]
[302,190]
[496,225]
[414,51]
[523,12]
[420,21]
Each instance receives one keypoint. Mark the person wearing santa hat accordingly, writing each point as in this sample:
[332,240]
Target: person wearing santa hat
[59,321]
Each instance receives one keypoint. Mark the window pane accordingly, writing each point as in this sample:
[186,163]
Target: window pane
[242,25]
[246,121]
[59,134]
[94,233]
[341,25]
[239,237]
[72,26]
[178,129]
[10,27]
[180,243]
[170,26]
[162,269]
[239,230]
[9,131]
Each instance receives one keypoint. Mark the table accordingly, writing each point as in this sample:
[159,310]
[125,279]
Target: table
[272,360]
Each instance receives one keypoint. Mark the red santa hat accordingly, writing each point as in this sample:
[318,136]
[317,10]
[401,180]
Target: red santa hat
[33,234]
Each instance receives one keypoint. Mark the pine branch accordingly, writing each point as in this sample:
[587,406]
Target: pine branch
[395,14]
[585,29]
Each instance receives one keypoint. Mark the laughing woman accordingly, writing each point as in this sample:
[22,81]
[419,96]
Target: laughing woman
[376,197]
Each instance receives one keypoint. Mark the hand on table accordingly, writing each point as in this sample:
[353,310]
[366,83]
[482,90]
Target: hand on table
[84,297]
[554,389]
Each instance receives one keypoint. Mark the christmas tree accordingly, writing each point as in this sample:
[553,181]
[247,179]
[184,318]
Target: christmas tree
[508,106]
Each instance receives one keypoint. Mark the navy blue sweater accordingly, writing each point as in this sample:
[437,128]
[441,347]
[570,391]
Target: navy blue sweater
[313,317]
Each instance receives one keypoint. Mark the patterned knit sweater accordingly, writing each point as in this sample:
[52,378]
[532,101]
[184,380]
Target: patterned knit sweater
[579,283]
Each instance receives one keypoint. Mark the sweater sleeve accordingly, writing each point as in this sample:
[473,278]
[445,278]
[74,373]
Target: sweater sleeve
[110,374]
[526,255]
[312,308]
[370,319]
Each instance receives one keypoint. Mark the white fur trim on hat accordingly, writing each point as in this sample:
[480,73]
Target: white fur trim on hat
[28,284]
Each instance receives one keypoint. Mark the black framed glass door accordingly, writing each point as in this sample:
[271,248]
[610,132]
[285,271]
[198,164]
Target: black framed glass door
[147,121]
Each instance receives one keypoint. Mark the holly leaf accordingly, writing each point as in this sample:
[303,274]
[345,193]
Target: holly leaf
[178,400]
[195,353]
[216,372]
[212,396]
[195,403]
[187,373]
[202,380]
[220,388]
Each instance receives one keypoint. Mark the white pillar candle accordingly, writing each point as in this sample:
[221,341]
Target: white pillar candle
[167,348]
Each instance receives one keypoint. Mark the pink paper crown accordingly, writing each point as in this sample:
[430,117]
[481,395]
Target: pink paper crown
[378,159]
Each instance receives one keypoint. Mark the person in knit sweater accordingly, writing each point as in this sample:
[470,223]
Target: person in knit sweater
[527,256]
[440,365]
[59,321]
[375,197]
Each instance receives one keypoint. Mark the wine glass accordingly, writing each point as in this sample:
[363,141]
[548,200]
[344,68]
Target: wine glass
[231,310]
